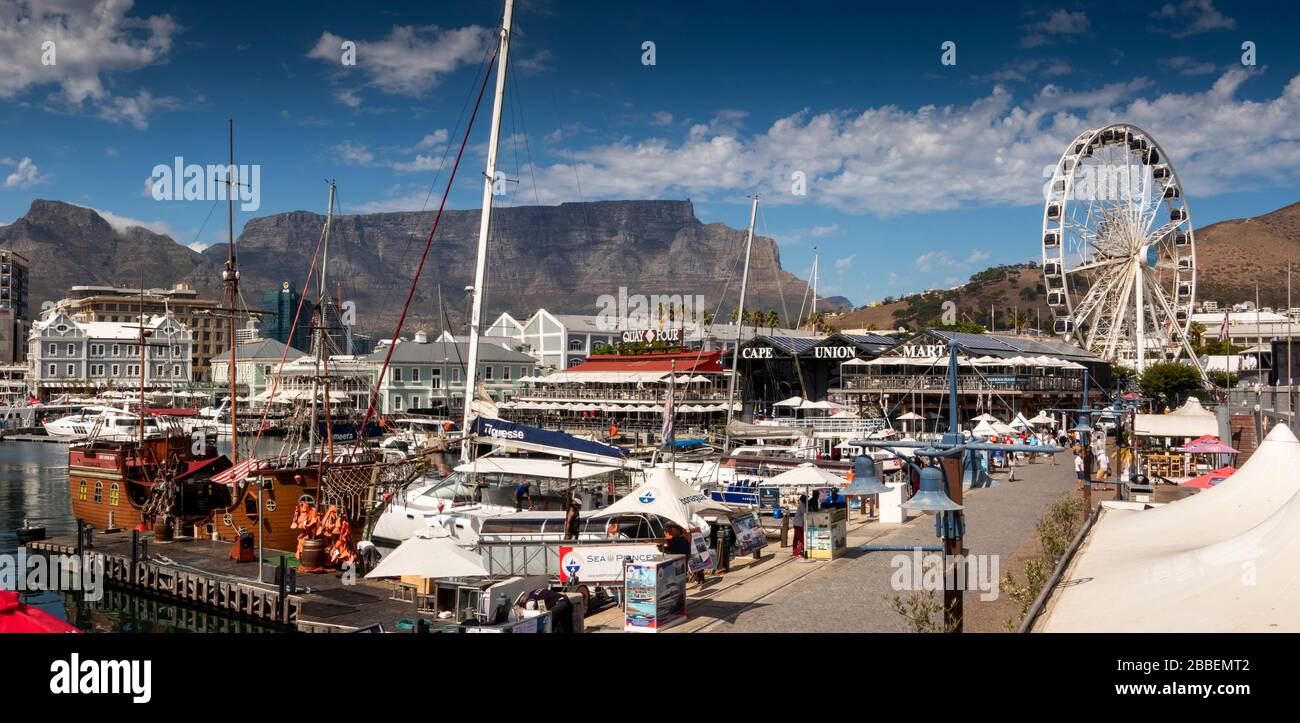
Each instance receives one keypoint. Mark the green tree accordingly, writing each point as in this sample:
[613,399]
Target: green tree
[1124,376]
[1196,335]
[1170,381]
[772,319]
[1019,319]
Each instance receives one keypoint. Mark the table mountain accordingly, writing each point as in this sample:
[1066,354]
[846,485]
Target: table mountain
[561,257]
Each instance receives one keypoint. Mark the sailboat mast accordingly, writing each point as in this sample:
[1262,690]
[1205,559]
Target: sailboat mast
[816,261]
[319,340]
[230,279]
[485,220]
[740,326]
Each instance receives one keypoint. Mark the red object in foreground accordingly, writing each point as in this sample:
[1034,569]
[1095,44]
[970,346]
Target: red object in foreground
[18,617]
[1209,479]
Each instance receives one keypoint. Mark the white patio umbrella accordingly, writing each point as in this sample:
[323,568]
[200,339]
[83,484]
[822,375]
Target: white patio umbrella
[984,429]
[807,474]
[791,402]
[909,417]
[429,557]
[985,417]
[1042,418]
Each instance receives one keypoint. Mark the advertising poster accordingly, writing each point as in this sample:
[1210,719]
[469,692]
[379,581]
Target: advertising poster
[750,537]
[701,554]
[655,595]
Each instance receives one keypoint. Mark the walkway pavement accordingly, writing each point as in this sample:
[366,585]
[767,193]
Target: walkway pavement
[780,593]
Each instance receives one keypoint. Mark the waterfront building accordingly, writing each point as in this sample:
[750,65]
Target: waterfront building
[627,391]
[111,304]
[1002,375]
[256,362]
[69,354]
[429,375]
[780,366]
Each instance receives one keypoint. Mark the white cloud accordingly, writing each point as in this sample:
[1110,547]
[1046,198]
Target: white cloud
[978,256]
[433,140]
[661,118]
[1190,17]
[355,155]
[890,160]
[844,264]
[413,201]
[135,109]
[1058,22]
[410,61]
[800,235]
[122,223]
[25,174]
[931,260]
[538,63]
[89,45]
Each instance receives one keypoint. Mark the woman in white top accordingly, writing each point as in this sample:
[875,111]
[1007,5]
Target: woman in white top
[1078,467]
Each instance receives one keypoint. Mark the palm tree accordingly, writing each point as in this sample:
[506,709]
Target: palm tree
[1196,334]
[1019,319]
[772,319]
[733,316]
[708,318]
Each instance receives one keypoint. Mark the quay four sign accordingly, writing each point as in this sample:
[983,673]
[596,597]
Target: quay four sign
[650,336]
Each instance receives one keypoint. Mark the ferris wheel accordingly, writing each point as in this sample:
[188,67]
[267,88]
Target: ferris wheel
[1119,255]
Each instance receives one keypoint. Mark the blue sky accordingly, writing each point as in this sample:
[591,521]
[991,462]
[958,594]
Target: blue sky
[918,174]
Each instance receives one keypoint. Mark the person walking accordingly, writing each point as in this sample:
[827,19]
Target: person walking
[1078,468]
[797,549]
[1103,468]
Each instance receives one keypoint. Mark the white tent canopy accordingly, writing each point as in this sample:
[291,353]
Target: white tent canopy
[437,556]
[1183,566]
[791,402]
[984,429]
[665,495]
[910,416]
[1189,420]
[985,417]
[1020,422]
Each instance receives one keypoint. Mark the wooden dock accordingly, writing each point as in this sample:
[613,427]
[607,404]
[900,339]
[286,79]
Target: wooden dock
[200,573]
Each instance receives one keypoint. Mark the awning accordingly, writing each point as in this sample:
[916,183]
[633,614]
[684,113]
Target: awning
[1189,420]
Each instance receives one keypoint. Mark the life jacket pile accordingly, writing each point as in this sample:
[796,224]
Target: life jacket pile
[331,527]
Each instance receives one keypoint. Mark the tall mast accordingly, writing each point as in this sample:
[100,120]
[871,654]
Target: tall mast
[230,279]
[816,260]
[319,340]
[740,326]
[485,220]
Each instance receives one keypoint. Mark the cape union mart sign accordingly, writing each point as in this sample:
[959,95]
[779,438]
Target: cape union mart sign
[818,352]
[650,336]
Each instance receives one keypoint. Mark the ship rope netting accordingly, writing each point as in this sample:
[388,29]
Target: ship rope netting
[352,488]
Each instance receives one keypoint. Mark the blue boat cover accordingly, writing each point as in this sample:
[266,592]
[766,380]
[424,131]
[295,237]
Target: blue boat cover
[544,440]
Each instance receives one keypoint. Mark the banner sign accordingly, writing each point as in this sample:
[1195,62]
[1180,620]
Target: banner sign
[601,563]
